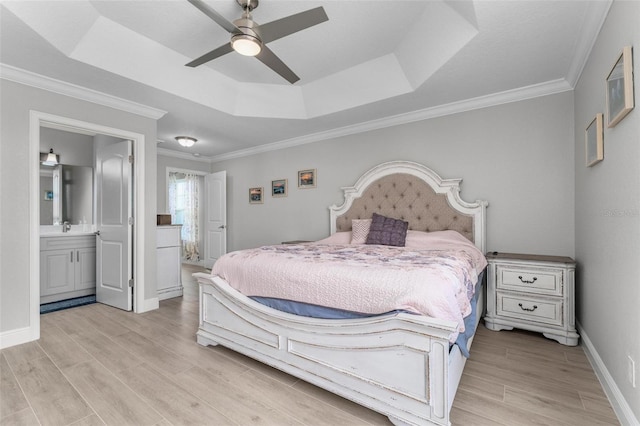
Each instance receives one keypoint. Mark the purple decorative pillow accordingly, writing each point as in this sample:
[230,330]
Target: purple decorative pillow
[387,231]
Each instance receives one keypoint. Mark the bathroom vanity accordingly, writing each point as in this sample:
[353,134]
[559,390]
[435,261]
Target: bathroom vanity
[67,266]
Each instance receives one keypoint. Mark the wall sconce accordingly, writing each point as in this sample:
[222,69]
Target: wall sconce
[186,141]
[49,158]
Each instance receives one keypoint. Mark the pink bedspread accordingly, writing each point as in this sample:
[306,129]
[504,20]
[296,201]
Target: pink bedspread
[436,282]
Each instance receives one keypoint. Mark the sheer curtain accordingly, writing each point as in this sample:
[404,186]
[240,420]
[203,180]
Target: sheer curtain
[184,191]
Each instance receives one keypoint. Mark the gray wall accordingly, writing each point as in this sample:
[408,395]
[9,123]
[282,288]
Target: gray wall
[518,156]
[607,213]
[179,163]
[74,149]
[16,102]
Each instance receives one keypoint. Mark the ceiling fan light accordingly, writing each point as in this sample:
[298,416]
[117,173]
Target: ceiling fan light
[246,44]
[186,141]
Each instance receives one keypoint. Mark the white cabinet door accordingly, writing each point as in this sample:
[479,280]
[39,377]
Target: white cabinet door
[57,269]
[169,268]
[85,270]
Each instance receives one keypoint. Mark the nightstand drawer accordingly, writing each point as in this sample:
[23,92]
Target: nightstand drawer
[529,308]
[538,281]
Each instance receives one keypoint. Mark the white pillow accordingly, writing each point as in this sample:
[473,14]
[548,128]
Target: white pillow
[337,238]
[360,230]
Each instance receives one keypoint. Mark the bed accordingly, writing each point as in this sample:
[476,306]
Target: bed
[400,364]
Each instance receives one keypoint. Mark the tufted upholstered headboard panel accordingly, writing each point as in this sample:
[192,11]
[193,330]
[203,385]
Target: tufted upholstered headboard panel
[411,199]
[411,192]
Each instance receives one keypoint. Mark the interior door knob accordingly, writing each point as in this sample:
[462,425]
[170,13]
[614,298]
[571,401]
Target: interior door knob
[221,227]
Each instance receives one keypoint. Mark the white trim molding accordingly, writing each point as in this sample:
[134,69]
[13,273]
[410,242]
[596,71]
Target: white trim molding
[509,96]
[618,403]
[21,335]
[29,78]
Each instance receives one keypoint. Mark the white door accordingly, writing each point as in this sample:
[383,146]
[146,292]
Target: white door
[215,223]
[114,217]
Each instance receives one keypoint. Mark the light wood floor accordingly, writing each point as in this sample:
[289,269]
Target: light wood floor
[97,365]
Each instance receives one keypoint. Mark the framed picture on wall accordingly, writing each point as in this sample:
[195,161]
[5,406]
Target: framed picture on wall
[279,188]
[255,195]
[594,141]
[620,88]
[307,178]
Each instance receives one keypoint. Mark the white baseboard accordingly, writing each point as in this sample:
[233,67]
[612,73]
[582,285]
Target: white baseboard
[149,305]
[17,337]
[618,403]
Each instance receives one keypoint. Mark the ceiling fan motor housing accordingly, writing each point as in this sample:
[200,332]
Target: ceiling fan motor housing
[248,27]
[248,4]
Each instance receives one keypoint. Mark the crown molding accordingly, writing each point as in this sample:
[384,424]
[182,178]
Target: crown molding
[595,16]
[28,78]
[509,96]
[182,155]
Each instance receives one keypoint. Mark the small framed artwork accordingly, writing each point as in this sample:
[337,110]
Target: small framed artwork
[255,195]
[48,195]
[307,178]
[594,139]
[620,88]
[279,188]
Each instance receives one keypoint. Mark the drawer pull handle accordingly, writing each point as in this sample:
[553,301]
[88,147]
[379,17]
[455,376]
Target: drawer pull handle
[527,281]
[528,309]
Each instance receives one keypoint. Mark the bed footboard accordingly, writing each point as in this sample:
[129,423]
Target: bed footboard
[397,365]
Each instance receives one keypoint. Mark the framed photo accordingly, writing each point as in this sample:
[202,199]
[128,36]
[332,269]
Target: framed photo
[620,88]
[279,188]
[307,178]
[255,195]
[594,139]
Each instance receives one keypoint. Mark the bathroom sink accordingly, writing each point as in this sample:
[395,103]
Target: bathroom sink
[66,234]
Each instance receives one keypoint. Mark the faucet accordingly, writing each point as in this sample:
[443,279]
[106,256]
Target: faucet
[66,226]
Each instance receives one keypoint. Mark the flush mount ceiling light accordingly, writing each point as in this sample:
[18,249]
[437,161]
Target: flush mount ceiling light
[49,159]
[186,141]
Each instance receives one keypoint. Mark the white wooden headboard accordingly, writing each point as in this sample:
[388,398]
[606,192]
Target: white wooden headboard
[414,193]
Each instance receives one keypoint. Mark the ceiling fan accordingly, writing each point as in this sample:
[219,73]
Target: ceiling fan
[249,39]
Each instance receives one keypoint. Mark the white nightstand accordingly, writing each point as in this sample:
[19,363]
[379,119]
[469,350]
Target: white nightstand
[532,292]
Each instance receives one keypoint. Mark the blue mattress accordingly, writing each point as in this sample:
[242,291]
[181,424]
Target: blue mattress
[317,311]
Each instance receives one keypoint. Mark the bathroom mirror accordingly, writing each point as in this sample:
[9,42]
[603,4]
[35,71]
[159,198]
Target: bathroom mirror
[66,194]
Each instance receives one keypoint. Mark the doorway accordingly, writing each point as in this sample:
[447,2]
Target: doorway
[36,122]
[186,204]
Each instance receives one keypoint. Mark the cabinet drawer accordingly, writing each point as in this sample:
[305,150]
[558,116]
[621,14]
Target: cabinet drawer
[168,236]
[547,311]
[58,243]
[530,280]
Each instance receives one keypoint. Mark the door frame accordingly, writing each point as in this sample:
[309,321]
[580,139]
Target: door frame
[39,119]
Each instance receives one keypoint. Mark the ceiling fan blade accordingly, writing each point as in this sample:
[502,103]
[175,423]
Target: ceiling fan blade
[216,53]
[283,27]
[219,19]
[267,57]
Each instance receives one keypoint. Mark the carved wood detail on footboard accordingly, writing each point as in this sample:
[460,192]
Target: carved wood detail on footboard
[396,364]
